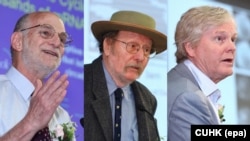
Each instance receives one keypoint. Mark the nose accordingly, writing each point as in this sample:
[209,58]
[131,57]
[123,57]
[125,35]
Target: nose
[56,41]
[140,54]
[232,46]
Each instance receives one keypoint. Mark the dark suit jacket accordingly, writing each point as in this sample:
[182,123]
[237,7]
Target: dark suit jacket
[97,112]
[187,104]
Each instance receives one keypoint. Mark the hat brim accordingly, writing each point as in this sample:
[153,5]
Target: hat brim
[159,40]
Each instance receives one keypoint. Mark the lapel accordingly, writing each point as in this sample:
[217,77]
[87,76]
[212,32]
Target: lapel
[183,70]
[101,105]
[144,112]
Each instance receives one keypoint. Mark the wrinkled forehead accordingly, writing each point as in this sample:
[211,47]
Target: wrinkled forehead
[130,34]
[47,18]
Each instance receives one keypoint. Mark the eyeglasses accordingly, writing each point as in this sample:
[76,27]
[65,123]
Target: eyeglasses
[133,48]
[47,32]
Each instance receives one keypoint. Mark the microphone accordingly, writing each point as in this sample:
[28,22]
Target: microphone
[141,108]
[82,121]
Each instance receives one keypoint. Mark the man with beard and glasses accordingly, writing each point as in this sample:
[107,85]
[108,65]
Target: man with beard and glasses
[31,91]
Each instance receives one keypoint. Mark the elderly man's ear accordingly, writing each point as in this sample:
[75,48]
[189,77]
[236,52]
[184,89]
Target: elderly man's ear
[190,50]
[16,41]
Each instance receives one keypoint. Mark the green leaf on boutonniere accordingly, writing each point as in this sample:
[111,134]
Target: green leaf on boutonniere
[69,131]
[220,112]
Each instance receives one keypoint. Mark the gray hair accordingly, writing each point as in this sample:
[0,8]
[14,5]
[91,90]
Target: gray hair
[193,23]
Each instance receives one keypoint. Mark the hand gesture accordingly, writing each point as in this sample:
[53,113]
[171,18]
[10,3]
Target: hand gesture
[45,99]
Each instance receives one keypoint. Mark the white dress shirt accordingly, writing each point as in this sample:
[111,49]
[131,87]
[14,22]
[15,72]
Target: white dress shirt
[15,94]
[208,87]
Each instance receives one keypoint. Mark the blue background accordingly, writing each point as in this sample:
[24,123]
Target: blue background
[71,11]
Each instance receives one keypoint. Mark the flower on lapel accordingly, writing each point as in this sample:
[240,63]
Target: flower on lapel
[220,112]
[64,132]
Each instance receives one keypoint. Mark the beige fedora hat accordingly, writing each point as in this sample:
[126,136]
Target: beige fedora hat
[131,21]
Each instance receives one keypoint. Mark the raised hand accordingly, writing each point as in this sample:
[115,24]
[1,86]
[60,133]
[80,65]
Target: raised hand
[46,98]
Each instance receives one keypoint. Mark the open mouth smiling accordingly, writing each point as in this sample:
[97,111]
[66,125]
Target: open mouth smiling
[51,53]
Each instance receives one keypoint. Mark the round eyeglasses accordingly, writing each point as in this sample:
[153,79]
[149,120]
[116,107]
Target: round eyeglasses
[133,48]
[47,32]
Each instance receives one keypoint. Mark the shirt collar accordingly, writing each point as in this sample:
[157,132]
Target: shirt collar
[110,82]
[23,85]
[206,84]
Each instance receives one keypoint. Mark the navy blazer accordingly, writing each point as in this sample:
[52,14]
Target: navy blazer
[97,112]
[187,104]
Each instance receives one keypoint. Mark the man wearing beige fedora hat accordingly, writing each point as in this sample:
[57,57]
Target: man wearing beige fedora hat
[126,42]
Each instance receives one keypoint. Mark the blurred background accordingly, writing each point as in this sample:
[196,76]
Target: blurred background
[79,15]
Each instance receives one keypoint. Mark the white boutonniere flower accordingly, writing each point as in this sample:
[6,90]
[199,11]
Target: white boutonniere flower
[64,132]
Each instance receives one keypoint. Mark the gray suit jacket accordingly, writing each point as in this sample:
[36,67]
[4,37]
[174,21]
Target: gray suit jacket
[187,104]
[97,112]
